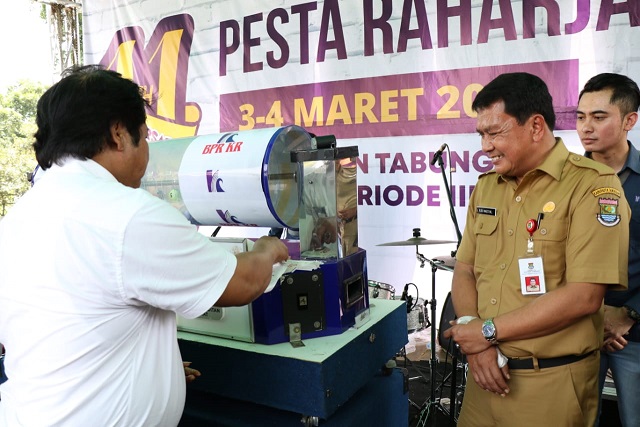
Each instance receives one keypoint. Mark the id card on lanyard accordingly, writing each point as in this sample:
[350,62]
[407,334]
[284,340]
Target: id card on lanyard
[530,265]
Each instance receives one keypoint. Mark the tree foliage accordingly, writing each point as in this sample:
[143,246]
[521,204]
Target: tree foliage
[17,126]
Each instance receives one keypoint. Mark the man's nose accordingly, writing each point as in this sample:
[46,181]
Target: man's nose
[585,125]
[486,143]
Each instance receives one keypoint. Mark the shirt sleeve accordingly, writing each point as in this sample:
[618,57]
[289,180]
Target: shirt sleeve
[167,264]
[598,238]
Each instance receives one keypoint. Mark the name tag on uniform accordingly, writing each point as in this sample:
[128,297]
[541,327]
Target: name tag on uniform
[486,211]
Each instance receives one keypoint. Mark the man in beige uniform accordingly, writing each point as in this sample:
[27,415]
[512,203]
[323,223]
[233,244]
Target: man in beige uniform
[546,212]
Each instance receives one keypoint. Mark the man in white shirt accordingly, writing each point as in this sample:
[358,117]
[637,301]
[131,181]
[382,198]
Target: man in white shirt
[93,270]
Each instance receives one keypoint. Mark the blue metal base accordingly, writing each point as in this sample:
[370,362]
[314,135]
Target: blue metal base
[312,380]
[383,402]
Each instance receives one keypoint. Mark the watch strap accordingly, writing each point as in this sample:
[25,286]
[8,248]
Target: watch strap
[632,314]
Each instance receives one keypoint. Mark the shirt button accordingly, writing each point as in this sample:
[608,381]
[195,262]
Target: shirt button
[494,301]
[543,231]
[503,266]
[518,199]
[510,232]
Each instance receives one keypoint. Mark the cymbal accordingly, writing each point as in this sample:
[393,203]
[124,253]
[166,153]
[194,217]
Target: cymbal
[448,262]
[416,241]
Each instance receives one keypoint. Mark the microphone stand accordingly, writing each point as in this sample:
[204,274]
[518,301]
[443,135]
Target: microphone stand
[454,361]
[452,210]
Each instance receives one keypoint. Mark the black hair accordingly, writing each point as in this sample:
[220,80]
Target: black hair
[625,92]
[74,116]
[523,95]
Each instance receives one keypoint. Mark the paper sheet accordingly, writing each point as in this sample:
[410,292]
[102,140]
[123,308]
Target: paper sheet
[289,266]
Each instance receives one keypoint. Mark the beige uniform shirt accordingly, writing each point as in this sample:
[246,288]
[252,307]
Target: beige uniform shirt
[347,198]
[583,237]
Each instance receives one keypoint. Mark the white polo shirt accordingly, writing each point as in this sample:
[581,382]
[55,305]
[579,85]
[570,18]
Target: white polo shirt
[92,274]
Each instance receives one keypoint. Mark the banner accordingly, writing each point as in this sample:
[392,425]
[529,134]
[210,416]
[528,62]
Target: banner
[394,77]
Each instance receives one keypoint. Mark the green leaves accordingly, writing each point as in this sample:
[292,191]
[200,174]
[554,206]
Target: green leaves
[17,126]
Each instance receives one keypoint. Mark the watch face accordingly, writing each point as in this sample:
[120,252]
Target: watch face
[488,330]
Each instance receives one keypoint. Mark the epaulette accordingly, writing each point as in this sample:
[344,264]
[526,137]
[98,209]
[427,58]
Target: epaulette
[587,163]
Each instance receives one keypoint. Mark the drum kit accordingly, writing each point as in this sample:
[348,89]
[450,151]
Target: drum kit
[444,262]
[416,318]
[379,290]
[420,320]
[416,312]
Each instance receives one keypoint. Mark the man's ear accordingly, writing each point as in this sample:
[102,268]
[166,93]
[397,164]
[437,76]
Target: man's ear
[630,121]
[118,135]
[538,125]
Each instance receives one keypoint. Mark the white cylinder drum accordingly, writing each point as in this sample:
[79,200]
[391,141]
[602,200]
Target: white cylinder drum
[233,179]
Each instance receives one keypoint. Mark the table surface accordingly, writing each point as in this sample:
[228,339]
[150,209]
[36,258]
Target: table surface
[314,349]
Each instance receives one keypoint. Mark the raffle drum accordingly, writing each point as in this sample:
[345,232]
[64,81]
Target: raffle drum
[282,177]
[231,179]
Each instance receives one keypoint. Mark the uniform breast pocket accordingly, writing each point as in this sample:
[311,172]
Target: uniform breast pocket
[485,230]
[550,241]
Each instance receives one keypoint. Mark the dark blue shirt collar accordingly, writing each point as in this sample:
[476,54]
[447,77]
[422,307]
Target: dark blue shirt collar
[633,159]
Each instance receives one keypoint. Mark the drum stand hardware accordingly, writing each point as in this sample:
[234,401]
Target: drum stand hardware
[458,363]
[456,386]
[433,403]
[310,421]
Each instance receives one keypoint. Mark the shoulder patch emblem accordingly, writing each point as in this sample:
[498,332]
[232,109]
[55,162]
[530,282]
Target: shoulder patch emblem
[608,215]
[606,190]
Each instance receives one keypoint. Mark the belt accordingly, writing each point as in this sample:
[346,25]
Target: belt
[545,363]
